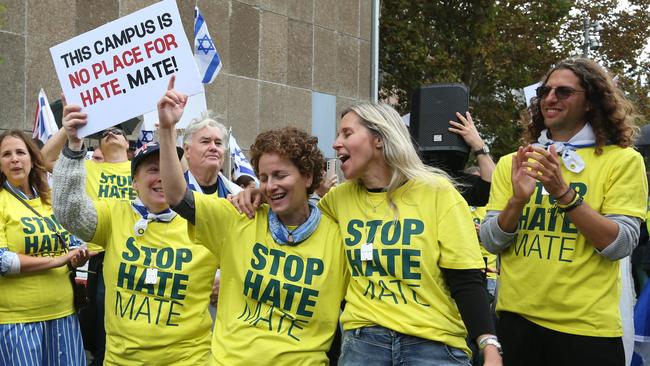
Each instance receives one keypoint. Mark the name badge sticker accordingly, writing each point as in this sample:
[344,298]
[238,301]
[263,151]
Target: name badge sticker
[366,252]
[151,276]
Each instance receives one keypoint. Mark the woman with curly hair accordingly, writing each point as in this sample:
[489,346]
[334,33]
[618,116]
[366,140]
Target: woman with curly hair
[37,325]
[282,276]
[562,212]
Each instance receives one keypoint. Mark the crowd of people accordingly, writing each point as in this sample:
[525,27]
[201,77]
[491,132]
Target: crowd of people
[398,265]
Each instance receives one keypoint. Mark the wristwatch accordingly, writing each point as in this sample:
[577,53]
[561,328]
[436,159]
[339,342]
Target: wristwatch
[490,340]
[484,150]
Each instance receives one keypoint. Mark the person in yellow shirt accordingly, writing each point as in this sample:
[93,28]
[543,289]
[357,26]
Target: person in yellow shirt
[563,210]
[412,251]
[106,179]
[37,325]
[157,280]
[283,275]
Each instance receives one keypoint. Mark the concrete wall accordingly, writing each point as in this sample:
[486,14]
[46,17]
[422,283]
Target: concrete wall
[275,54]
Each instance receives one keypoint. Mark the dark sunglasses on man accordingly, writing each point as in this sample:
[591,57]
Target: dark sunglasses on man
[561,92]
[112,130]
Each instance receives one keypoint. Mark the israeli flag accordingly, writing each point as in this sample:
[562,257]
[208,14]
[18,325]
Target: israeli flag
[241,165]
[205,54]
[146,131]
[44,123]
[144,137]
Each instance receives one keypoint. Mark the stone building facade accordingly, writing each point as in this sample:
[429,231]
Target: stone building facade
[279,56]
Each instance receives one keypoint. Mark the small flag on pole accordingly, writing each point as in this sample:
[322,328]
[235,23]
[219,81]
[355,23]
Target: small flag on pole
[144,137]
[241,165]
[44,122]
[205,54]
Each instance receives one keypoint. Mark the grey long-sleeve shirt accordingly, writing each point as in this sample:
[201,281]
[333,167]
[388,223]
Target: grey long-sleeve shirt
[71,205]
[495,240]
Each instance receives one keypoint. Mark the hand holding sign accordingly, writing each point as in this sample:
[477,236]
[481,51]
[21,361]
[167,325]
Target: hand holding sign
[171,106]
[73,119]
[116,71]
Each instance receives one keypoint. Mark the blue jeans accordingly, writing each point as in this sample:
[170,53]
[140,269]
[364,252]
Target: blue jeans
[379,346]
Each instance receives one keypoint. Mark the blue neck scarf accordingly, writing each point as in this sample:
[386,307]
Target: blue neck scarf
[283,236]
[140,226]
[20,193]
[193,185]
[567,150]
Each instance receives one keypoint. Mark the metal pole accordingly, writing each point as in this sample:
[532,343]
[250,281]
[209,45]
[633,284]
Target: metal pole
[374,49]
[585,42]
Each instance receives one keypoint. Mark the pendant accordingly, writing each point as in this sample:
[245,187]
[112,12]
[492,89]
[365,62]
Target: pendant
[290,238]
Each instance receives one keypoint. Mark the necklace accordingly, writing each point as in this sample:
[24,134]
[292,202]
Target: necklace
[290,233]
[370,203]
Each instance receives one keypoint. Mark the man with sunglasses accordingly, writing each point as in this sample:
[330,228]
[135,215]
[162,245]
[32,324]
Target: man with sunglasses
[563,210]
[109,179]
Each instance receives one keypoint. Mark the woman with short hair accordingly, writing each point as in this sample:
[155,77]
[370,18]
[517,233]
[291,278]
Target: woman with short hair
[282,280]
[157,281]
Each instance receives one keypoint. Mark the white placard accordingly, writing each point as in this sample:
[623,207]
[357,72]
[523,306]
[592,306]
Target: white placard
[121,69]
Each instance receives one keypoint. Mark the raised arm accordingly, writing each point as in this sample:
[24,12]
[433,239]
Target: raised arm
[467,130]
[170,109]
[72,207]
[52,149]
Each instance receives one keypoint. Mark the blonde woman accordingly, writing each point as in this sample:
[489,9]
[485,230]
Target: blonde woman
[416,287]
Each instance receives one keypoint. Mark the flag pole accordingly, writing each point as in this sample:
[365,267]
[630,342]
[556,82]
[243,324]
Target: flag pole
[229,154]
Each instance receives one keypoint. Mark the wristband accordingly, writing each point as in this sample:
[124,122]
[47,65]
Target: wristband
[72,154]
[563,194]
[490,340]
[577,201]
[573,200]
[484,150]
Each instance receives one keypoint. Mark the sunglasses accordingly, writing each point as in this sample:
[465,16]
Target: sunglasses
[114,131]
[561,92]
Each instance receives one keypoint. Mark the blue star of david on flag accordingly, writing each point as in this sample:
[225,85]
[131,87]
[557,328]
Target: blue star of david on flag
[205,54]
[202,47]
[144,137]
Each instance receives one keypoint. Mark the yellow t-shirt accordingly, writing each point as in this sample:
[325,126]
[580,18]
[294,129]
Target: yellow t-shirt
[28,297]
[402,288]
[478,213]
[166,323]
[108,181]
[278,304]
[550,274]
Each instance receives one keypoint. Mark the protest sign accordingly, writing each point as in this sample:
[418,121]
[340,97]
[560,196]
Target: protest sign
[121,69]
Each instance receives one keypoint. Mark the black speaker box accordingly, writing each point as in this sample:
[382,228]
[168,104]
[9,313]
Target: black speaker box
[432,107]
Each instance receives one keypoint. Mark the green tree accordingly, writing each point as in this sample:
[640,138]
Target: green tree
[497,48]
